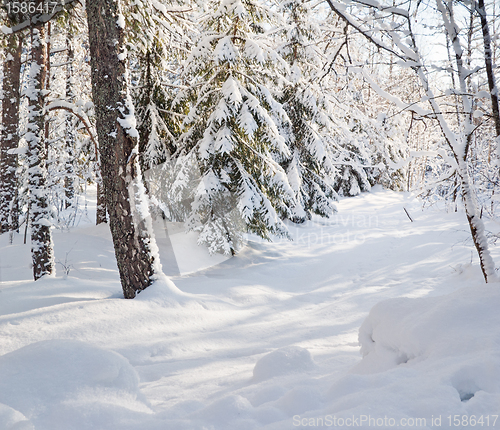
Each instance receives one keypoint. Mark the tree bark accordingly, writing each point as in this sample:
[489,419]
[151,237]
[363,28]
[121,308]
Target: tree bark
[476,224]
[9,212]
[489,66]
[135,247]
[69,188]
[41,238]
[101,204]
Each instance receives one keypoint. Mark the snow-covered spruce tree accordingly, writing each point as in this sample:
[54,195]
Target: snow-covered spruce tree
[352,156]
[158,38]
[157,142]
[9,138]
[339,147]
[40,212]
[135,247]
[310,169]
[232,127]
[376,146]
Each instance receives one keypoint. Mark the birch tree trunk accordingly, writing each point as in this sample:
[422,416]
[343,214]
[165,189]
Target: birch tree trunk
[9,139]
[460,145]
[135,248]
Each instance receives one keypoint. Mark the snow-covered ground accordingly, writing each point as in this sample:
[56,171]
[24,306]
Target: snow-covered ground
[265,340]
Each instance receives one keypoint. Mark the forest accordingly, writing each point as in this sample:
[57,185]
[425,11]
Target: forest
[333,140]
[234,117]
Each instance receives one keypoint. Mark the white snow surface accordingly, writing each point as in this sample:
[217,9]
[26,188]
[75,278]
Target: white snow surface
[363,316]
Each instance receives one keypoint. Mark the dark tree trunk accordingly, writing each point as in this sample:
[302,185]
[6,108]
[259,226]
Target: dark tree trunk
[9,213]
[41,238]
[69,189]
[118,148]
[101,204]
[489,66]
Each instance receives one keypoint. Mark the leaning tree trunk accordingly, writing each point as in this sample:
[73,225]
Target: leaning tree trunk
[9,139]
[135,247]
[476,224]
[41,238]
[460,145]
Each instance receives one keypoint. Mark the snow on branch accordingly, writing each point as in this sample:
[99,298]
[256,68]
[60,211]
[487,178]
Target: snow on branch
[75,110]
[339,9]
[376,5]
[393,99]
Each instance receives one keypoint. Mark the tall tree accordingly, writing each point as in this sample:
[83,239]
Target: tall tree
[135,247]
[40,215]
[9,139]
[310,168]
[158,39]
[70,132]
[232,127]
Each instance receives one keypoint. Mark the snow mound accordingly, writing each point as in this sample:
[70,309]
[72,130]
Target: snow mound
[163,292]
[402,330]
[57,383]
[231,408]
[426,357]
[299,400]
[237,412]
[11,419]
[290,359]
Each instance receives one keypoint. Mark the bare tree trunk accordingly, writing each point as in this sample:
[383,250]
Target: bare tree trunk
[41,238]
[69,189]
[135,247]
[101,203]
[46,85]
[9,212]
[489,67]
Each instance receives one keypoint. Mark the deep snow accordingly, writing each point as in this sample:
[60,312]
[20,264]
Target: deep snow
[265,340]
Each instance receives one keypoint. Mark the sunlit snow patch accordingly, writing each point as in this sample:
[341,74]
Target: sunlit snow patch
[290,359]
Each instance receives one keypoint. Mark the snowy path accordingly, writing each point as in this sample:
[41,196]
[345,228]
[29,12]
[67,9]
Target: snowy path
[194,356]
